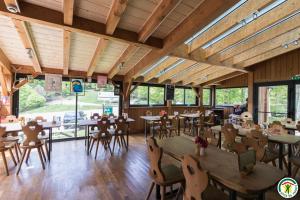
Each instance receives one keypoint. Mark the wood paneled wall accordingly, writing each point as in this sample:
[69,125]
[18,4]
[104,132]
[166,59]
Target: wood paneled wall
[238,81]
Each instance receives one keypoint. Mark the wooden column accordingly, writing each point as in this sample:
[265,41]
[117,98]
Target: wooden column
[250,91]
[200,96]
[169,107]
[213,96]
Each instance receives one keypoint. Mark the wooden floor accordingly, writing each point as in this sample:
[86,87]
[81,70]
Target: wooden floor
[74,175]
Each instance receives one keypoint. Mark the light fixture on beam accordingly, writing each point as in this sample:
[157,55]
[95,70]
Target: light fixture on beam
[291,42]
[13,8]
[121,65]
[29,53]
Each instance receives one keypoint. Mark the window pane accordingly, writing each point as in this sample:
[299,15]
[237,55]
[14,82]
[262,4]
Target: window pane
[206,97]
[156,96]
[178,96]
[231,96]
[190,97]
[139,96]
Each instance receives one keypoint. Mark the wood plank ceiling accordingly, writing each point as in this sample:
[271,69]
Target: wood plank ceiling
[190,42]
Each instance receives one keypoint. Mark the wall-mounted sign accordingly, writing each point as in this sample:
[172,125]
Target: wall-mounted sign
[296,77]
[53,83]
[77,86]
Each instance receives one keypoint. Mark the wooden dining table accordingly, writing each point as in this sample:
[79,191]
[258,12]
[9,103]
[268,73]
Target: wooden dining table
[223,167]
[281,140]
[17,127]
[87,123]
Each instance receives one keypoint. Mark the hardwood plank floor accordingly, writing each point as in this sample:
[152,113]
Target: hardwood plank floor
[74,175]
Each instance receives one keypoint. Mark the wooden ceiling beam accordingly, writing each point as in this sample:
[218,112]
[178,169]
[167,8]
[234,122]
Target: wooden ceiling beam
[67,45]
[68,11]
[264,21]
[265,47]
[229,21]
[5,63]
[200,74]
[52,18]
[222,78]
[115,13]
[199,18]
[28,43]
[3,83]
[125,56]
[186,64]
[14,3]
[101,45]
[183,75]
[162,10]
[273,32]
[211,76]
[151,74]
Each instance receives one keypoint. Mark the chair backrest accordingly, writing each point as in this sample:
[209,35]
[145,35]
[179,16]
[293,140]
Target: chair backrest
[230,134]
[246,116]
[2,135]
[175,121]
[196,179]
[95,116]
[256,140]
[211,118]
[103,126]
[163,121]
[277,128]
[10,119]
[121,125]
[210,137]
[155,155]
[148,113]
[31,132]
[40,119]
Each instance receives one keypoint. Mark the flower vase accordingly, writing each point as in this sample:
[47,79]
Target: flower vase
[197,150]
[202,151]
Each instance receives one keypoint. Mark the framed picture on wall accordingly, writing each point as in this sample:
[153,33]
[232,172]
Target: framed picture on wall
[77,86]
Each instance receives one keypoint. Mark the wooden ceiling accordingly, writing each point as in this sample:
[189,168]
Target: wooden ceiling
[131,37]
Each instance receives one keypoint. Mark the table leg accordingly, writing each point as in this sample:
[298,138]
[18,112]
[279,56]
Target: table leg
[280,155]
[157,191]
[289,156]
[127,138]
[232,195]
[179,126]
[261,196]
[86,137]
[88,140]
[50,144]
[145,129]
[220,139]
[152,128]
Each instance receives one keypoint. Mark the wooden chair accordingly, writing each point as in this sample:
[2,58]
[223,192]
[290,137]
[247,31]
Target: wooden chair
[210,137]
[11,119]
[197,183]
[102,135]
[229,143]
[200,124]
[95,116]
[32,142]
[161,175]
[211,120]
[173,129]
[40,119]
[120,132]
[259,142]
[6,146]
[277,128]
[163,128]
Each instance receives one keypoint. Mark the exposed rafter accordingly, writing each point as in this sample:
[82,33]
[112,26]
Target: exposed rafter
[4,61]
[53,18]
[161,11]
[212,76]
[27,41]
[200,17]
[175,70]
[68,11]
[222,78]
[102,43]
[67,44]
[116,11]
[126,55]
[23,82]
[200,75]
[151,74]
[3,83]
[12,3]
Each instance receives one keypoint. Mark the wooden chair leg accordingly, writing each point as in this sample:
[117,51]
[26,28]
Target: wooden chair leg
[98,141]
[111,153]
[150,190]
[17,152]
[162,192]
[274,163]
[115,138]
[43,154]
[5,162]
[41,157]
[47,150]
[21,161]
[28,154]
[12,156]
[91,148]
[296,168]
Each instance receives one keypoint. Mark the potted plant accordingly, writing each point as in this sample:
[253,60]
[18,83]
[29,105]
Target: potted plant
[201,145]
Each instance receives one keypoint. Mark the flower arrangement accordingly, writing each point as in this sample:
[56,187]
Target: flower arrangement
[201,142]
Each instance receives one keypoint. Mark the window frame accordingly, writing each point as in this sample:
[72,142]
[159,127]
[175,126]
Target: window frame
[184,102]
[228,105]
[210,97]
[148,92]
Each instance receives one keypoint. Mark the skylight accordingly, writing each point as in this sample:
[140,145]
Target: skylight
[178,62]
[236,6]
[154,65]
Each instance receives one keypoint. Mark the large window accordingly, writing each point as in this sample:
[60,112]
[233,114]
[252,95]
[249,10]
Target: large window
[206,97]
[184,96]
[231,96]
[145,95]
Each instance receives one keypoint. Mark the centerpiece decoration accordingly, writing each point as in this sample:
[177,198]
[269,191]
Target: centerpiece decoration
[201,145]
